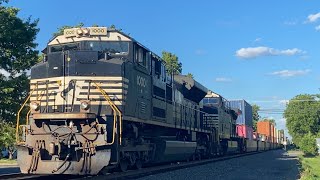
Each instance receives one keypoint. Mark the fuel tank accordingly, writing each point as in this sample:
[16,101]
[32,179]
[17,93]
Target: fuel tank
[168,150]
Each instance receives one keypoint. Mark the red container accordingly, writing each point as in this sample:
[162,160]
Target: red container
[245,131]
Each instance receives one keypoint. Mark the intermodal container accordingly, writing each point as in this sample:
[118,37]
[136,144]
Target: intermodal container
[245,131]
[281,136]
[246,116]
[264,127]
[268,129]
[275,135]
[272,133]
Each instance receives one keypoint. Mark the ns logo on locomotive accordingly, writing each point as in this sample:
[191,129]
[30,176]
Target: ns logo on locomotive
[102,100]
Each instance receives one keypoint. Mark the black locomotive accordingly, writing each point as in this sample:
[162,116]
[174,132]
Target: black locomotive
[100,99]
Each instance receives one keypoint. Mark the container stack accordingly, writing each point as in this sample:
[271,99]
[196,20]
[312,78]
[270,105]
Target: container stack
[272,133]
[281,136]
[265,129]
[245,131]
[275,134]
[244,120]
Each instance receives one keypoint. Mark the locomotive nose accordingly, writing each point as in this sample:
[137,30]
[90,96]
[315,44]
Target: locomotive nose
[97,162]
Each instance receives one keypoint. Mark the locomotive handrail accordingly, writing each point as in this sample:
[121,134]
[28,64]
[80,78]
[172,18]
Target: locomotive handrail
[27,118]
[115,109]
[18,114]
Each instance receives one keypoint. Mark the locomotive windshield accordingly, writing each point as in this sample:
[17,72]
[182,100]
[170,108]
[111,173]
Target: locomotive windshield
[113,47]
[64,47]
[210,100]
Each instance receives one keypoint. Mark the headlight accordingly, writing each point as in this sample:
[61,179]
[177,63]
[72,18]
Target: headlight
[86,31]
[79,32]
[84,105]
[35,106]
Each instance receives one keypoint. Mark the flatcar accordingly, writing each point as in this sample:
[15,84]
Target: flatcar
[100,99]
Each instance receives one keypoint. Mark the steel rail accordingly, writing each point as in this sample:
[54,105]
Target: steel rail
[18,176]
[133,174]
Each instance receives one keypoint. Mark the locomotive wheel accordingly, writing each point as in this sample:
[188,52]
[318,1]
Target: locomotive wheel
[138,164]
[123,165]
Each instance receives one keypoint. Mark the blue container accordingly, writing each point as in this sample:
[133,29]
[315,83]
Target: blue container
[246,117]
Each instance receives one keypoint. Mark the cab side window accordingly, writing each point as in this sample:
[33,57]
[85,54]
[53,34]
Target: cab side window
[157,67]
[163,72]
[142,57]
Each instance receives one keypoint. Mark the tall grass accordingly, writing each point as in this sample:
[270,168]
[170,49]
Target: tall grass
[310,168]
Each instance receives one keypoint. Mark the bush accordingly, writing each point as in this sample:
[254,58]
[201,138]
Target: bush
[308,145]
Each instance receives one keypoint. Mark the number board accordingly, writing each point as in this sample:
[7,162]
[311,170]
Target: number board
[70,32]
[98,31]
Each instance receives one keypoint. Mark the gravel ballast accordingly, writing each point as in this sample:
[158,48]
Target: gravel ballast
[276,164]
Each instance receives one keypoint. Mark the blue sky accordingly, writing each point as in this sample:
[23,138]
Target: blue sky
[263,51]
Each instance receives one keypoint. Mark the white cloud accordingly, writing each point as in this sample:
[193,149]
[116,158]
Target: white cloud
[289,52]
[317,28]
[254,52]
[283,101]
[223,79]
[4,72]
[290,73]
[313,17]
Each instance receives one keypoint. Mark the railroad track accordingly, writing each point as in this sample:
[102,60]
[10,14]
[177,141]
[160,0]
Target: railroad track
[133,174]
[18,176]
[130,174]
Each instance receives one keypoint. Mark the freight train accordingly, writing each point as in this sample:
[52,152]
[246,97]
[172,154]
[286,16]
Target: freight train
[100,99]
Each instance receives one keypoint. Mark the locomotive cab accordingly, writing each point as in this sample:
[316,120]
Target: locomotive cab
[101,99]
[77,96]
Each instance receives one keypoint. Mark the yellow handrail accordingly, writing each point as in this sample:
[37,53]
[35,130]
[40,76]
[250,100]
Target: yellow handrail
[18,114]
[115,109]
[27,118]
[114,117]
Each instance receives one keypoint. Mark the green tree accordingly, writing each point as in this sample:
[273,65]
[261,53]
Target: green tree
[302,115]
[255,116]
[112,26]
[61,29]
[303,118]
[7,137]
[270,120]
[308,145]
[172,63]
[17,54]
[190,75]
